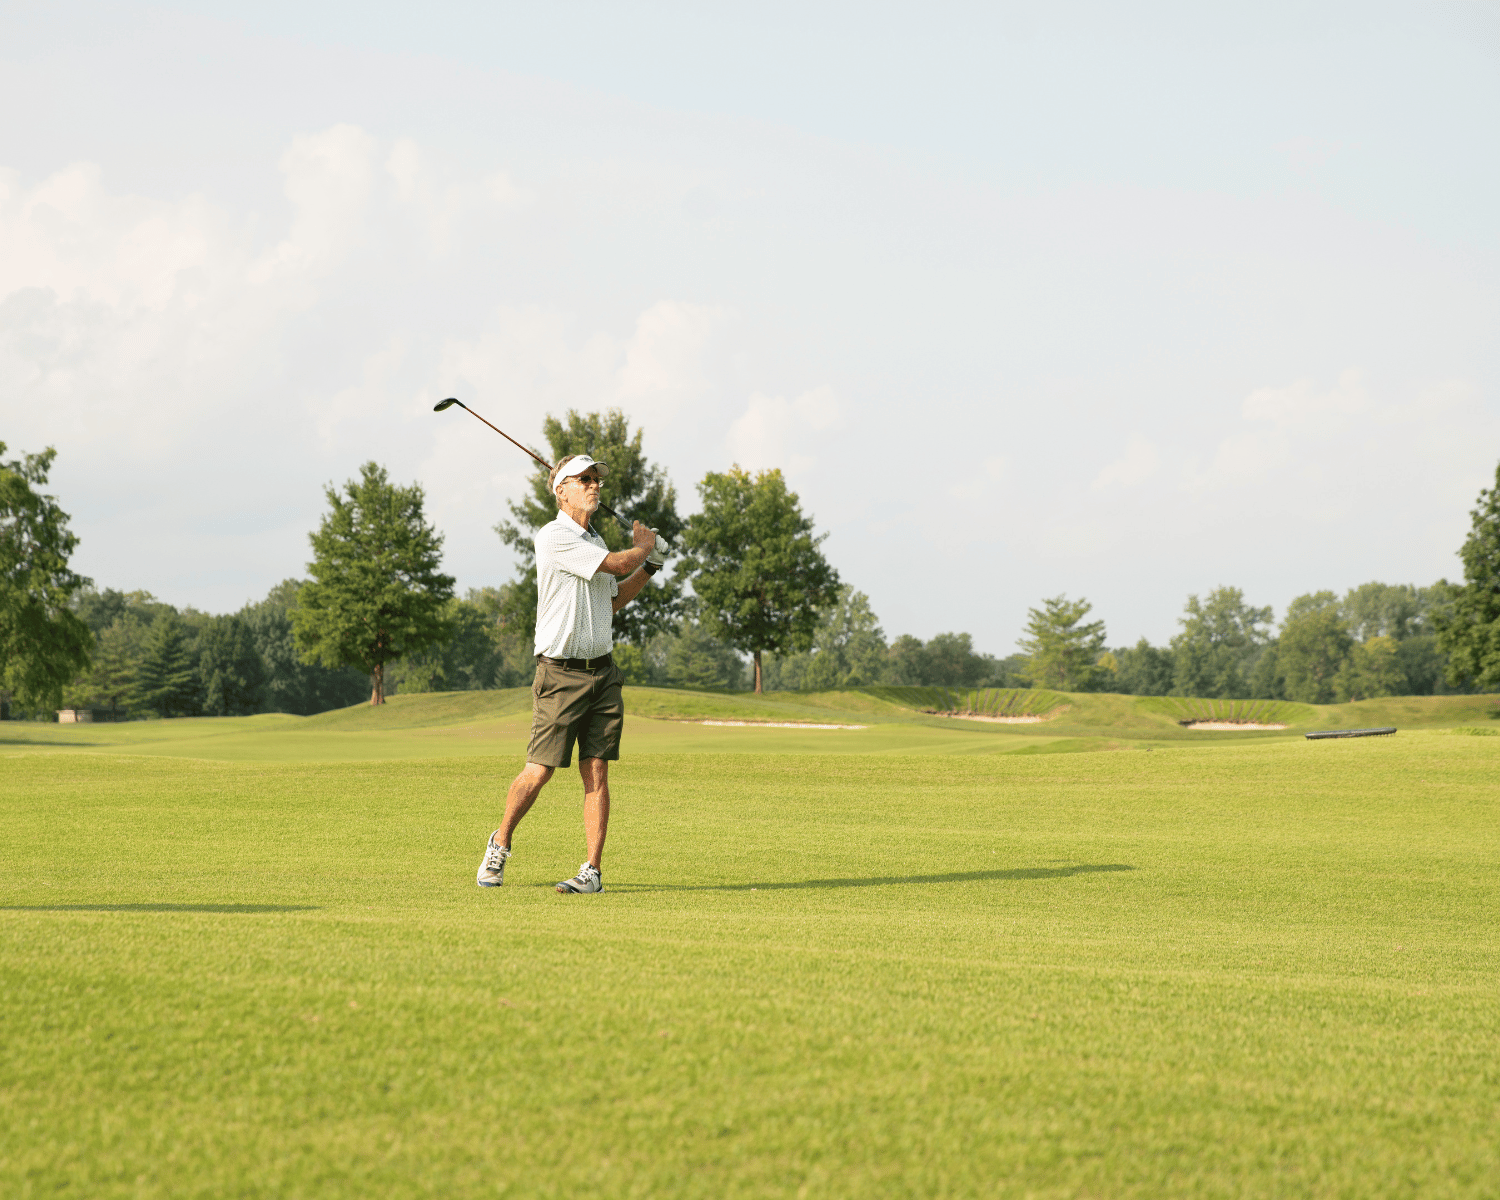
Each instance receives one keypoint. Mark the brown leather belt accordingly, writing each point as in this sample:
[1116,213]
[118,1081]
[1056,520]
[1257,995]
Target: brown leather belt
[578,664]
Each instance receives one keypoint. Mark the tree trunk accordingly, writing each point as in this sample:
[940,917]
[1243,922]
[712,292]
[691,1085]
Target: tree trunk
[757,672]
[377,684]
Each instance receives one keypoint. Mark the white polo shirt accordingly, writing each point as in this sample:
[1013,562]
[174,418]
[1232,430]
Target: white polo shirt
[572,595]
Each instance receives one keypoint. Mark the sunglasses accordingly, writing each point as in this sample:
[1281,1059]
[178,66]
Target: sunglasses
[587,479]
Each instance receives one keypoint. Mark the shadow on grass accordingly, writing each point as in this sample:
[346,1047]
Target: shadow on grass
[161,908]
[1015,873]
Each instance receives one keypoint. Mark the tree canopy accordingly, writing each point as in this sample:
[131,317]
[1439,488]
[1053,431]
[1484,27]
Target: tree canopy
[1468,624]
[1312,648]
[756,568]
[1063,653]
[43,643]
[1220,640]
[376,592]
[635,487]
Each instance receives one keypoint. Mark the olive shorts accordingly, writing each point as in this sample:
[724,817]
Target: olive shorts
[575,706]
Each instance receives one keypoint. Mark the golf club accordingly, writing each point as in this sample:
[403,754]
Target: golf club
[604,508]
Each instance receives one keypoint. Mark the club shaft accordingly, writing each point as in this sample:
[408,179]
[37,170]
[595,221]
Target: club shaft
[604,508]
[506,436]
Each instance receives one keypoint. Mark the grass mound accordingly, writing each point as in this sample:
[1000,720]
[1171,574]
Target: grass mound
[1186,709]
[988,702]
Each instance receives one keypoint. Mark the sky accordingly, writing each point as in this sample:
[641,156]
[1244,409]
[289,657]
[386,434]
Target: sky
[1120,301]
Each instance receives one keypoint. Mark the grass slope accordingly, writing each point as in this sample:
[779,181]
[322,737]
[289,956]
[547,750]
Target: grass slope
[1220,969]
[665,720]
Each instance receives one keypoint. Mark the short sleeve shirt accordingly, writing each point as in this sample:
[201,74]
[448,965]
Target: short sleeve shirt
[573,597]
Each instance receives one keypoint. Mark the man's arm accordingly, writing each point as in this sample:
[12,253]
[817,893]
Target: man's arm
[624,562]
[629,589]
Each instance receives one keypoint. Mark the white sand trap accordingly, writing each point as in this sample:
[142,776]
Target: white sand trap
[1230,725]
[1028,720]
[782,725]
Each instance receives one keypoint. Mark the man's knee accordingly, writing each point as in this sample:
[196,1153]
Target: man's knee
[535,774]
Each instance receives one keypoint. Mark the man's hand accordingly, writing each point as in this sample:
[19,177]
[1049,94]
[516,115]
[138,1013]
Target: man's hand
[658,555]
[641,537]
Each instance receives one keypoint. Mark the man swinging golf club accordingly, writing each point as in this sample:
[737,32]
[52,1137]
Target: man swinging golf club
[576,695]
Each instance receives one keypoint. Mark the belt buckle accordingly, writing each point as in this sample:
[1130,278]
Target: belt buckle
[588,663]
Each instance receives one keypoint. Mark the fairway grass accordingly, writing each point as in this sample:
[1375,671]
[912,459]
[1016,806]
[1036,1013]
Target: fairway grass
[1255,968]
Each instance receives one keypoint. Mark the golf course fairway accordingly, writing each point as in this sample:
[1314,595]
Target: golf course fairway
[248,959]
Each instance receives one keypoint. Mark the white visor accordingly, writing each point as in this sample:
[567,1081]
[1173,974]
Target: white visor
[577,466]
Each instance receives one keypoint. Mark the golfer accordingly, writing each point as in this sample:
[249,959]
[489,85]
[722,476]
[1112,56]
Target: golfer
[576,694]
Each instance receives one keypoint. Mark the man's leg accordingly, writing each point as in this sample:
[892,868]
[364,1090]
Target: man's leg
[595,772]
[524,789]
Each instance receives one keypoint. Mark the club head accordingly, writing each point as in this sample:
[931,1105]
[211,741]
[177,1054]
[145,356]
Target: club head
[448,403]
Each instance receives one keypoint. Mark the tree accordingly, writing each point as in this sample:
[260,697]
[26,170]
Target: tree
[695,658]
[376,592]
[1063,653]
[848,650]
[634,486]
[231,673]
[755,565]
[1313,645]
[1371,670]
[1468,622]
[291,685]
[1268,680]
[1385,610]
[111,677]
[166,680]
[478,653]
[1220,640]
[43,643]
[1144,669]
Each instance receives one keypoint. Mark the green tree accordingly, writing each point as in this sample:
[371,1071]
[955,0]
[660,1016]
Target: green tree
[1313,647]
[167,679]
[231,673]
[110,680]
[478,653]
[695,658]
[1221,638]
[1144,669]
[634,486]
[759,576]
[1371,670]
[1063,653]
[376,592]
[848,650]
[292,685]
[1394,610]
[1468,622]
[1267,679]
[43,643]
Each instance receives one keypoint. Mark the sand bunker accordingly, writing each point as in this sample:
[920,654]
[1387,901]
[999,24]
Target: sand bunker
[782,725]
[958,716]
[1230,725]
[999,719]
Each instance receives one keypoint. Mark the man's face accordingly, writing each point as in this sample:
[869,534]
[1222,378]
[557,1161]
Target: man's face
[582,491]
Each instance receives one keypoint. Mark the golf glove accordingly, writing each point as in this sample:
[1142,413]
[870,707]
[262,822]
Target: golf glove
[658,555]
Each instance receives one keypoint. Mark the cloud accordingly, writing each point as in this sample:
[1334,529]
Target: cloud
[1296,427]
[1136,465]
[776,432]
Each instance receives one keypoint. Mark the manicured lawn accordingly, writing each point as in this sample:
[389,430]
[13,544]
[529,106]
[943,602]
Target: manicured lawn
[1213,969]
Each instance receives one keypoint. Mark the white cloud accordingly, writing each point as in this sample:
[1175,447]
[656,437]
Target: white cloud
[1136,465]
[776,432]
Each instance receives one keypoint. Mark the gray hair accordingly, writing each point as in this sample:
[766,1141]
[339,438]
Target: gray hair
[552,478]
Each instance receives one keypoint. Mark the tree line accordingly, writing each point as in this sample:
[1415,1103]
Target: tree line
[753,602]
[1377,639]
